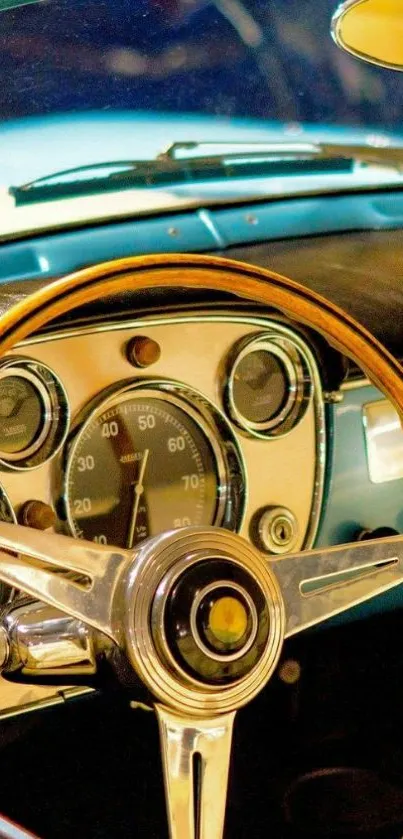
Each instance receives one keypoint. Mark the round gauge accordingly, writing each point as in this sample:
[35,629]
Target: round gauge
[261,387]
[33,413]
[24,413]
[268,386]
[147,461]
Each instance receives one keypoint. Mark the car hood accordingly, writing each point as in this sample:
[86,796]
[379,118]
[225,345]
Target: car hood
[36,146]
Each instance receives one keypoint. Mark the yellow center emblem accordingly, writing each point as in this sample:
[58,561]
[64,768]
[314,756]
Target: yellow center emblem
[228,620]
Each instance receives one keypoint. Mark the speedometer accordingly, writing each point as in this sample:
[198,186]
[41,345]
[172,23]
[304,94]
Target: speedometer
[150,459]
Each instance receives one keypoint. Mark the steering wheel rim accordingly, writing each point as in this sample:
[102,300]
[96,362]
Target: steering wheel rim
[178,271]
[184,737]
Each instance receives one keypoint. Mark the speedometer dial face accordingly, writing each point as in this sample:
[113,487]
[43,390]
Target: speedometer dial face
[143,463]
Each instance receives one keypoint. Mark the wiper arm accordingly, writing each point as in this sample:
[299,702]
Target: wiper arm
[186,163]
[390,156]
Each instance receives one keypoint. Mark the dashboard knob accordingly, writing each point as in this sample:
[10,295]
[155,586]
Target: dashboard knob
[37,514]
[142,351]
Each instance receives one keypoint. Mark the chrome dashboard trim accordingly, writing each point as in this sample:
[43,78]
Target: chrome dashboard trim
[263,322]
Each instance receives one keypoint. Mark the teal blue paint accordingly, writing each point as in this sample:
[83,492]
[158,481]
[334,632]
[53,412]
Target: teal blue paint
[205,230]
[352,501]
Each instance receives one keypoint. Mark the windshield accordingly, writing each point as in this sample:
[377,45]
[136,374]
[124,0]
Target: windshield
[271,59]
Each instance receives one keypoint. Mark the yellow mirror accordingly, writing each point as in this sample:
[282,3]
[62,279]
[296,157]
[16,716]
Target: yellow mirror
[371,30]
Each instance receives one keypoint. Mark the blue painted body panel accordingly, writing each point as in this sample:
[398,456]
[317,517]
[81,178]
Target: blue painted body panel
[197,231]
[353,503]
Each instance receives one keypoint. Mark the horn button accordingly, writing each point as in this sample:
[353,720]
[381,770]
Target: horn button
[216,621]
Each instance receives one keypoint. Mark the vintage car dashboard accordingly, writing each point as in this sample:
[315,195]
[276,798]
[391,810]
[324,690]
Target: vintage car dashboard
[129,420]
[126,430]
[117,431]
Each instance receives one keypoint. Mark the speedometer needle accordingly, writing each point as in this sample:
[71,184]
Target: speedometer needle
[138,489]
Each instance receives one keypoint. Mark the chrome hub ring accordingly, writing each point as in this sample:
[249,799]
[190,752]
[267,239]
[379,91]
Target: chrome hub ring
[158,565]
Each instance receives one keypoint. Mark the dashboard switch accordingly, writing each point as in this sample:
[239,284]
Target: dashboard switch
[37,514]
[275,530]
[142,351]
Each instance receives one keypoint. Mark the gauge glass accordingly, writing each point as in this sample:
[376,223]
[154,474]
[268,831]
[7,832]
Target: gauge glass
[260,386]
[143,463]
[22,413]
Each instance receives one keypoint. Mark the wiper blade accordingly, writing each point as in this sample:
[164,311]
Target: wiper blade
[186,162]
[382,155]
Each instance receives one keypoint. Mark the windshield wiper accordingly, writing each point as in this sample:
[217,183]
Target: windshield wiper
[382,155]
[186,163]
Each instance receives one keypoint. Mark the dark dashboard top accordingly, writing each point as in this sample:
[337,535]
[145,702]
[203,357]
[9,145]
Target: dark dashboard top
[361,272]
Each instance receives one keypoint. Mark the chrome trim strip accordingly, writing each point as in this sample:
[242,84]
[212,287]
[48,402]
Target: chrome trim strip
[356,384]
[58,699]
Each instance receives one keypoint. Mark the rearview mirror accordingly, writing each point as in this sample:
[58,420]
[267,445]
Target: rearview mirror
[371,30]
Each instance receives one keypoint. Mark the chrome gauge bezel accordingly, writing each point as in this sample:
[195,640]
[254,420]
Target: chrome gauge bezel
[56,414]
[21,373]
[299,387]
[228,460]
[4,499]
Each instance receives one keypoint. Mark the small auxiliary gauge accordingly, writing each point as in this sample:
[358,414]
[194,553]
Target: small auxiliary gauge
[33,414]
[268,385]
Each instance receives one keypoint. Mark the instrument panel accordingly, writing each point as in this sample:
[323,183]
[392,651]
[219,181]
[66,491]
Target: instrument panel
[124,430]
[116,431]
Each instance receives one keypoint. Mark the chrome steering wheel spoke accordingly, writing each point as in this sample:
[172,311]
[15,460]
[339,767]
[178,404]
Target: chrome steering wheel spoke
[196,757]
[34,562]
[318,584]
[200,616]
